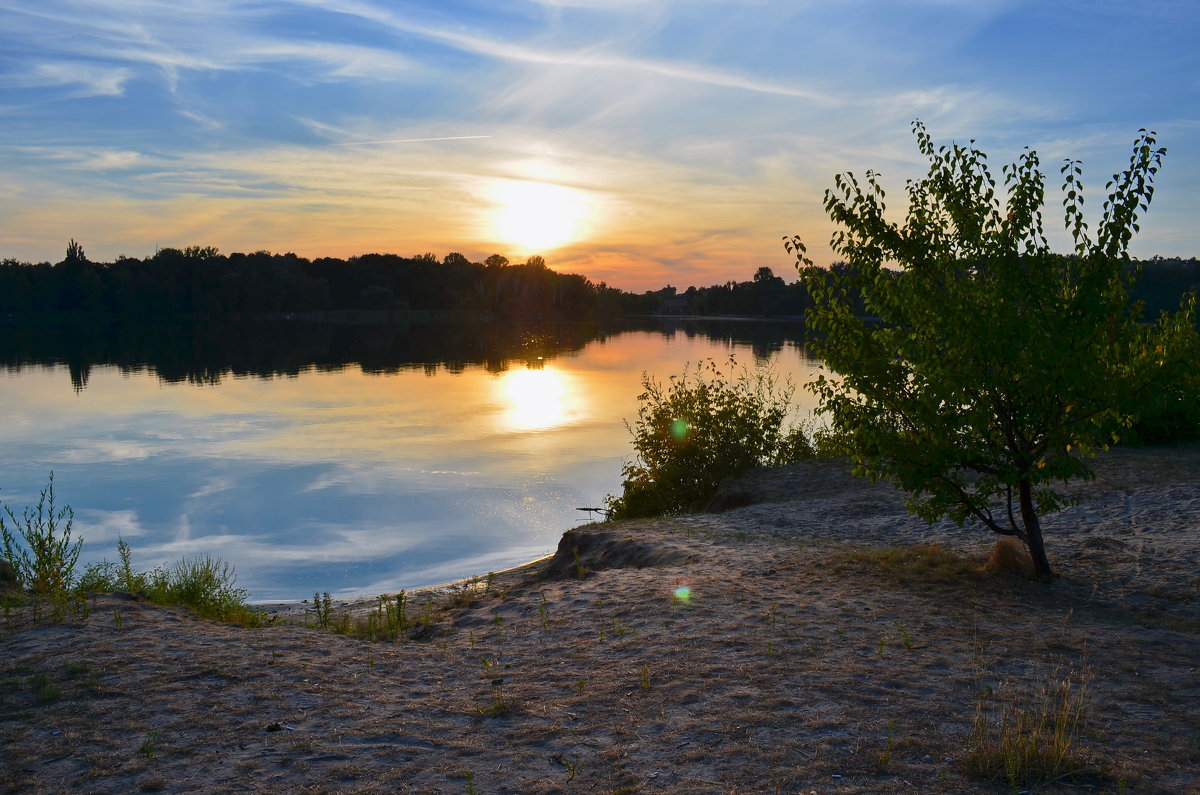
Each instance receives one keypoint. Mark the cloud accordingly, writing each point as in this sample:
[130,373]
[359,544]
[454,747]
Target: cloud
[96,527]
[86,79]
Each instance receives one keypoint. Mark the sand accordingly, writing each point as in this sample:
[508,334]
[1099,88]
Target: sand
[795,664]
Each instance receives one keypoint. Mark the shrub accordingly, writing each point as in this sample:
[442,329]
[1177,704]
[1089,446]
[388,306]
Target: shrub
[44,555]
[699,428]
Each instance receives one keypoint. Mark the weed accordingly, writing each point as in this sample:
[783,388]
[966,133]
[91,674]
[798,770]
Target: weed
[645,677]
[323,606]
[45,558]
[905,638]
[580,571]
[542,612]
[885,756]
[401,613]
[573,766]
[618,627]
[882,646]
[581,685]
[118,620]
[149,747]
[471,784]
[1025,736]
[501,704]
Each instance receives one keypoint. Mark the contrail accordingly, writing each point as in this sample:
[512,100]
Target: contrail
[412,140]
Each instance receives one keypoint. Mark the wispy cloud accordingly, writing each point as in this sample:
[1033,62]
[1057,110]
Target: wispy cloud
[411,140]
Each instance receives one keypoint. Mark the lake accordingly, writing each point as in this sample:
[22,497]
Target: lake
[354,459]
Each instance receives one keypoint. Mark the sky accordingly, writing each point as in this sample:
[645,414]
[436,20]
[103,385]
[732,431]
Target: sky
[639,142]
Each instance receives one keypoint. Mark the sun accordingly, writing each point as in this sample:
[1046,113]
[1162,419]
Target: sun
[538,216]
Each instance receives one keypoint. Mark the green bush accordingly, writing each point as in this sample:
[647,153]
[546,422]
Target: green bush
[699,428]
[39,546]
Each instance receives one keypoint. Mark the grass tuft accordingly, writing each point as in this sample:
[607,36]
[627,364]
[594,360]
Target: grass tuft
[1025,735]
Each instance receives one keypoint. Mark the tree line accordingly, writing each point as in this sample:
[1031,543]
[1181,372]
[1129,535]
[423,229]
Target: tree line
[199,280]
[1161,285]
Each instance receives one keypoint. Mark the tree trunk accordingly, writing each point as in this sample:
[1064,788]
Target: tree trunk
[1033,533]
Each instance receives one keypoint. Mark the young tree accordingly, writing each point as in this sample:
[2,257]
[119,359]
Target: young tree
[990,366]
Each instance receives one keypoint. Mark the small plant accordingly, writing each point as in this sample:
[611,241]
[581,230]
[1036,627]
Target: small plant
[645,673]
[118,620]
[580,571]
[323,606]
[573,766]
[501,704]
[1025,736]
[885,756]
[44,557]
[149,747]
[905,638]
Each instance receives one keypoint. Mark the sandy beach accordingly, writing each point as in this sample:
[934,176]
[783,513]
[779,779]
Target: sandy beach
[782,645]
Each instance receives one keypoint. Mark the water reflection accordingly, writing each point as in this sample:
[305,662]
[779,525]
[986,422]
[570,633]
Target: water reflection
[340,465]
[539,398]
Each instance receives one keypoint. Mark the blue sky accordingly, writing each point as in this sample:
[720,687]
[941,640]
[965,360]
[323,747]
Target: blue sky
[643,143]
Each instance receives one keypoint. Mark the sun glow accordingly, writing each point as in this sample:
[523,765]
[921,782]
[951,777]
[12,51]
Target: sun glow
[537,399]
[538,216]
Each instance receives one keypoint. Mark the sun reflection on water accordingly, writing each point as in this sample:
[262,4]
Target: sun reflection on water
[538,398]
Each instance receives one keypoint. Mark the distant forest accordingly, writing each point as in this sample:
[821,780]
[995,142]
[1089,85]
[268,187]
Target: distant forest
[202,282]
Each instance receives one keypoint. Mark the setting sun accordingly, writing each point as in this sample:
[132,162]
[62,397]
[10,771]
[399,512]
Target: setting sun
[538,216]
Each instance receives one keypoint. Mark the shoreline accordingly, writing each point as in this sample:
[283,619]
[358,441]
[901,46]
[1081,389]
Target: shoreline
[357,605]
[826,642]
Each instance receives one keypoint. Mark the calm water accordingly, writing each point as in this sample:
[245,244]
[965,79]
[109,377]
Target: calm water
[355,460]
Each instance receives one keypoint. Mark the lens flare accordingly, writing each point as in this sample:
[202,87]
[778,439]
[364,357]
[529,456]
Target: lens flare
[679,429]
[683,594]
